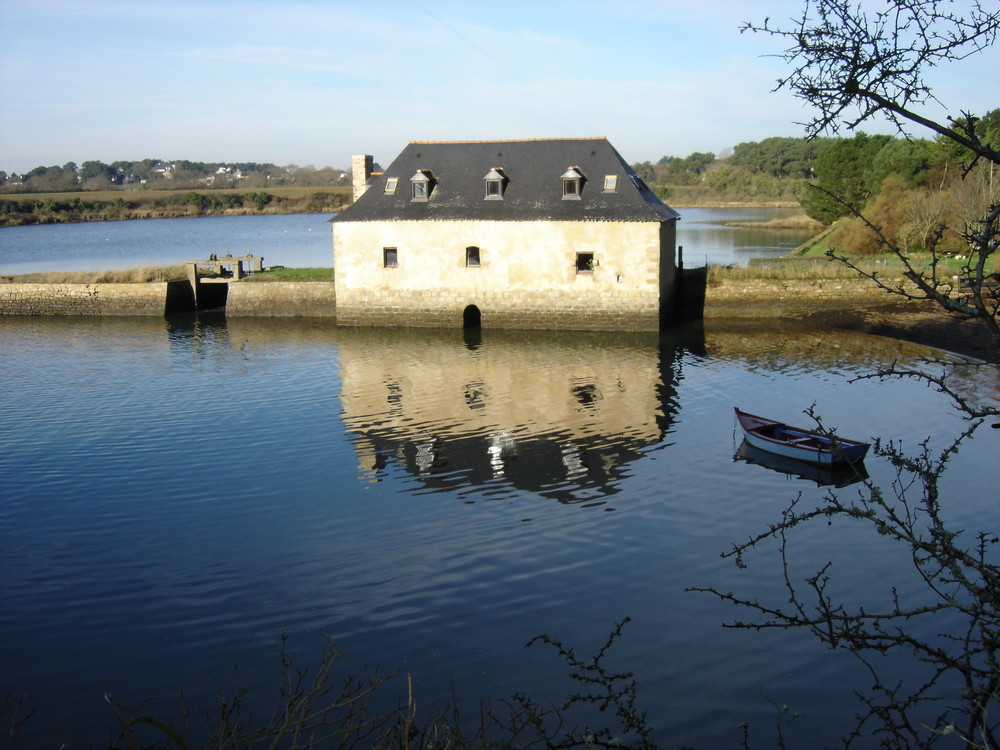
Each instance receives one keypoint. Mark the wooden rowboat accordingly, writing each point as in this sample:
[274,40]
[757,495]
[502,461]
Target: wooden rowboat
[799,443]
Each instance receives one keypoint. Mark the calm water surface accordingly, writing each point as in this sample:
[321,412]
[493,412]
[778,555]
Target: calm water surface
[179,494]
[305,241]
[296,241]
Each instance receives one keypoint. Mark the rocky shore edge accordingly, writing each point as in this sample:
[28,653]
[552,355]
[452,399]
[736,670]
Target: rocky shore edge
[918,324]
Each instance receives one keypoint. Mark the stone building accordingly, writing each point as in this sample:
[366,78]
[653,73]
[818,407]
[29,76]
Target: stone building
[556,234]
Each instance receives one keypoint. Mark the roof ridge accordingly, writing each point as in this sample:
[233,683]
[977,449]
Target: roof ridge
[515,140]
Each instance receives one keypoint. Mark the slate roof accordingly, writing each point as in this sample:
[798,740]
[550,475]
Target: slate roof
[533,189]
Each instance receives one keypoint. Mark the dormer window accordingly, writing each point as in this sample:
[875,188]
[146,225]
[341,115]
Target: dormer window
[420,185]
[572,181]
[495,184]
[390,185]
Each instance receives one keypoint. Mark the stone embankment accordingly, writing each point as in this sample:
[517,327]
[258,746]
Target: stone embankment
[155,298]
[270,299]
[313,299]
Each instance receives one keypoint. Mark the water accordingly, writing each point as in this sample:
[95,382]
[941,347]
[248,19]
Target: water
[295,241]
[179,495]
[706,239]
[304,241]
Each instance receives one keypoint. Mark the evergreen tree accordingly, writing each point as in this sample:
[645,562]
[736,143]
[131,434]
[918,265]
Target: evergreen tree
[841,166]
[909,159]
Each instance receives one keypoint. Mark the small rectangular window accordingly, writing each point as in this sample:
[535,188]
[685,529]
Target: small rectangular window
[610,183]
[472,257]
[585,263]
[493,189]
[390,184]
[390,257]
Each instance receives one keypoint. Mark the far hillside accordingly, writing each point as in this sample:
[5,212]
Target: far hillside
[155,188]
[907,187]
[177,174]
[18,209]
[772,172]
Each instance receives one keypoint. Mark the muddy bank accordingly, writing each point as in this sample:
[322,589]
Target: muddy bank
[839,303]
[918,323]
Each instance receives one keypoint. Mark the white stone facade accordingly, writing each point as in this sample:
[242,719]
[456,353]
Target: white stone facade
[527,274]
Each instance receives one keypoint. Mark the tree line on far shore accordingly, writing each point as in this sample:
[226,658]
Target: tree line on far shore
[107,205]
[908,186]
[179,174]
[154,188]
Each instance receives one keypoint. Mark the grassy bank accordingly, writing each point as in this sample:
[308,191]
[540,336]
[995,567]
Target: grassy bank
[812,263]
[799,222]
[795,268]
[759,268]
[777,269]
[145,275]
[280,273]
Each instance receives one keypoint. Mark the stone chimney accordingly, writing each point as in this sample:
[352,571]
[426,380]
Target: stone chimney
[361,166]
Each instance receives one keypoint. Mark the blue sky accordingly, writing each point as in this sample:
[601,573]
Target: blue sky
[312,82]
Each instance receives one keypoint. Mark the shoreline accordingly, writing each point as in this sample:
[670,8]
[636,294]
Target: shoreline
[734,204]
[170,204]
[928,327]
[832,304]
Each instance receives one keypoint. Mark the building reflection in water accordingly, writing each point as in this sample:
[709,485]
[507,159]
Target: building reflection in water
[557,414]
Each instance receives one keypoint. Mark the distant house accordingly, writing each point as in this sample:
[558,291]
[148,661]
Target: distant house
[505,234]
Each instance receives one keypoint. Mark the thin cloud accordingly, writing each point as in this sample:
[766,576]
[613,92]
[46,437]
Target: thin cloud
[270,55]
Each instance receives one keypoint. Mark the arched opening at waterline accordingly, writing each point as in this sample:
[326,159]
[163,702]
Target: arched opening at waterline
[471,317]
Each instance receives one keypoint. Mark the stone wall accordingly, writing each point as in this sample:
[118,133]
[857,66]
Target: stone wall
[317,299]
[157,298]
[553,309]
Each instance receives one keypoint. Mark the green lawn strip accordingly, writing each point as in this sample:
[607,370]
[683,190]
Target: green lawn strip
[280,273]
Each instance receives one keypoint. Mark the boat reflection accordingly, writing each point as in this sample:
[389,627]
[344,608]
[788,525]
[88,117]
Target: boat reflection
[824,476]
